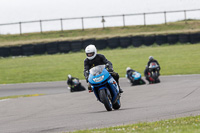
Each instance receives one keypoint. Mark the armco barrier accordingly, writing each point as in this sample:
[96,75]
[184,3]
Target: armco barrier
[28,49]
[101,44]
[87,42]
[16,51]
[124,42]
[194,38]
[40,48]
[113,42]
[149,40]
[4,52]
[184,38]
[172,39]
[52,48]
[161,39]
[64,46]
[137,41]
[76,46]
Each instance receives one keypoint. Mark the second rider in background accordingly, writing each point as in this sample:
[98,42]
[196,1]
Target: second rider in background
[151,59]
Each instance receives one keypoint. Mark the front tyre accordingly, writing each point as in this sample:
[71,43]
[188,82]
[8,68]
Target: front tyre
[105,100]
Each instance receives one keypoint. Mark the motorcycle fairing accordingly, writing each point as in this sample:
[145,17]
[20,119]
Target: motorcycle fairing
[136,75]
[104,73]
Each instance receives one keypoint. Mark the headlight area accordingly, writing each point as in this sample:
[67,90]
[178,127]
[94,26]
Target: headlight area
[98,79]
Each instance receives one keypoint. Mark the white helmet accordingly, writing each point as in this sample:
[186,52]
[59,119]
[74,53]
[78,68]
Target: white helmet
[69,76]
[128,68]
[91,51]
[150,57]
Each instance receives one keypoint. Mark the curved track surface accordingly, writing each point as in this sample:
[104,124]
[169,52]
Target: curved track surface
[59,110]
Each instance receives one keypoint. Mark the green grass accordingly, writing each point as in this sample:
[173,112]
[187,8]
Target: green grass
[174,59]
[18,96]
[174,27]
[179,125]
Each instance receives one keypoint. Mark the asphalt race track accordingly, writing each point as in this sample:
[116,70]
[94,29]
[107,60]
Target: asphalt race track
[59,110]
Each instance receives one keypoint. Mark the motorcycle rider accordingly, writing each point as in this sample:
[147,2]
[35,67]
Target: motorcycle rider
[71,82]
[94,59]
[129,72]
[151,59]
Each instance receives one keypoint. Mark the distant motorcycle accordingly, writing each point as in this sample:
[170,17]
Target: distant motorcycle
[104,87]
[76,86]
[153,73]
[136,79]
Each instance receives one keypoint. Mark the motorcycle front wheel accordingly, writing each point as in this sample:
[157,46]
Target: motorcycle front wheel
[105,99]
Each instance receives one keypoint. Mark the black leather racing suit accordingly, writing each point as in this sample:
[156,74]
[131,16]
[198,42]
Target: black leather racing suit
[129,74]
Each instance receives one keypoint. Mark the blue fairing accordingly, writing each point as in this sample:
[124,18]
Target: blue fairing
[114,88]
[136,75]
[104,73]
[100,78]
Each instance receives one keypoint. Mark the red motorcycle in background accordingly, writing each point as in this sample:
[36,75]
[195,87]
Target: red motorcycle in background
[154,73]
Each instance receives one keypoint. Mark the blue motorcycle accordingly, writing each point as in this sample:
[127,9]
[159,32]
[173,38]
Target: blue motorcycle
[136,79]
[104,87]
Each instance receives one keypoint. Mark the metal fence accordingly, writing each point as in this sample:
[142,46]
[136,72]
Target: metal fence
[100,22]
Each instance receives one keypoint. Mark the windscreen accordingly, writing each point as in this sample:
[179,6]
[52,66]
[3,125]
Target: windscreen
[153,65]
[97,70]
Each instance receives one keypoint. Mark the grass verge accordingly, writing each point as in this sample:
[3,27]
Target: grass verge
[18,96]
[180,125]
[174,59]
[32,38]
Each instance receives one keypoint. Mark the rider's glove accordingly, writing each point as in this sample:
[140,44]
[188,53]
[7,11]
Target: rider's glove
[109,68]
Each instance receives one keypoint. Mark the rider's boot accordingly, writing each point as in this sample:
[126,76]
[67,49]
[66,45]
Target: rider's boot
[158,73]
[120,90]
[90,88]
[116,77]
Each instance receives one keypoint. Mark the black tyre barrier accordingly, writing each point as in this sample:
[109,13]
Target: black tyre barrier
[87,42]
[172,39]
[28,49]
[4,51]
[137,41]
[124,42]
[194,38]
[184,38]
[40,49]
[16,51]
[113,42]
[149,40]
[52,48]
[64,47]
[161,39]
[101,44]
[76,46]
